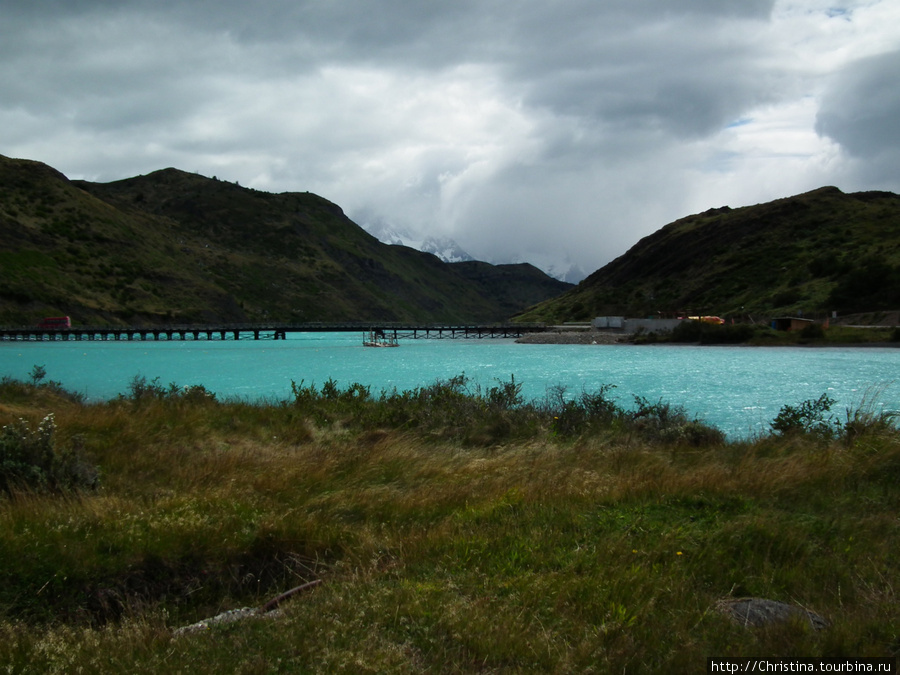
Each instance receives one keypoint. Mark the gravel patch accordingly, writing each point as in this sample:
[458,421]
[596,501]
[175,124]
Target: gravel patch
[574,337]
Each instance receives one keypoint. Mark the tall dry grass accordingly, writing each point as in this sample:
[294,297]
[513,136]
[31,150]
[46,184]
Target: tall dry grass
[529,546]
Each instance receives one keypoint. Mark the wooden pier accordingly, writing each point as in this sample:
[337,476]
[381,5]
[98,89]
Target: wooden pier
[270,331]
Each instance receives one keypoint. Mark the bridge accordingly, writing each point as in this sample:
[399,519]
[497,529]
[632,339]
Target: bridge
[265,331]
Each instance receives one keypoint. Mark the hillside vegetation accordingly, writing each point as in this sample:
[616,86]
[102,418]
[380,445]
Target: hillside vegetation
[815,253]
[452,530]
[178,247]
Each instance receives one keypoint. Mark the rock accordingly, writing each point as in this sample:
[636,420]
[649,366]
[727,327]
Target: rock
[269,610]
[759,612]
[224,618]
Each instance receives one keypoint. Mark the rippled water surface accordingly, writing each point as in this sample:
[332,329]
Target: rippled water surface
[738,389]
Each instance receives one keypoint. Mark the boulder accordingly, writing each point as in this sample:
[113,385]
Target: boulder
[759,612]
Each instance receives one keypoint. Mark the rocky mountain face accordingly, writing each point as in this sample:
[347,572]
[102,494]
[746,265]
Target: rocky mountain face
[444,248]
[449,250]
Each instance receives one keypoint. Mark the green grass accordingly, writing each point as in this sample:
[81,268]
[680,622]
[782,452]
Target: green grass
[499,541]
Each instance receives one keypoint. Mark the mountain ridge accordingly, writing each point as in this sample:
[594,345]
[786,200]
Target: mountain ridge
[173,246]
[449,250]
[818,252]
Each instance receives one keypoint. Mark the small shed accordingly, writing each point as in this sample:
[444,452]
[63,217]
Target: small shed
[789,323]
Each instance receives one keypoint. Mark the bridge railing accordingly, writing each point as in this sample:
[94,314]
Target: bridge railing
[279,329]
[309,326]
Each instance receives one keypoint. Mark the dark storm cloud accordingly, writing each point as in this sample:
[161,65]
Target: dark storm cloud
[861,108]
[550,131]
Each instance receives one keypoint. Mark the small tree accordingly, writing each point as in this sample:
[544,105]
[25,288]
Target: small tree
[810,417]
[37,374]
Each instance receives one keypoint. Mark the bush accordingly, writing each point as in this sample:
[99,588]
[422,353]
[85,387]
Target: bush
[28,459]
[505,396]
[37,374]
[667,423]
[141,390]
[448,409]
[12,389]
[588,411]
[867,419]
[810,417]
[454,409]
[323,406]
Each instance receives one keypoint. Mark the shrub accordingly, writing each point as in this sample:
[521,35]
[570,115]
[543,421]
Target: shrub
[810,417]
[505,396]
[37,374]
[590,410]
[140,390]
[29,459]
[867,419]
[667,423]
[11,388]
[196,393]
[445,409]
[303,394]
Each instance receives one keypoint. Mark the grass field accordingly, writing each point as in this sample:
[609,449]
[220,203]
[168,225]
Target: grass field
[454,530]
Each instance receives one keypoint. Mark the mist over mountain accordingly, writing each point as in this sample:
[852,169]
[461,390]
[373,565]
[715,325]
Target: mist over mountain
[444,248]
[563,269]
[448,250]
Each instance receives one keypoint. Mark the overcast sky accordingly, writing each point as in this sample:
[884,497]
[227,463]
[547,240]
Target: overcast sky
[538,130]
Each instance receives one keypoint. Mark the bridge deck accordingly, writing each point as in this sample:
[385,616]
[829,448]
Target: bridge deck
[270,331]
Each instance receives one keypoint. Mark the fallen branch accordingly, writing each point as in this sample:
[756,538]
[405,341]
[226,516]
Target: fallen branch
[274,602]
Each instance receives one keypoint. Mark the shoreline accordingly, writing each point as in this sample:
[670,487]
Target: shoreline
[575,337]
[594,337]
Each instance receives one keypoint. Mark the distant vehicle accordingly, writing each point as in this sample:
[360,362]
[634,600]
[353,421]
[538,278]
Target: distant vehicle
[55,322]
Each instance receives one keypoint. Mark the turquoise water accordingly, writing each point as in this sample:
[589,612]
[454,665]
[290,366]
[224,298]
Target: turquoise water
[738,389]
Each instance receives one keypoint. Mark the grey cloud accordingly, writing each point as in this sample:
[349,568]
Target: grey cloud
[580,57]
[861,109]
[570,125]
[418,33]
[463,26]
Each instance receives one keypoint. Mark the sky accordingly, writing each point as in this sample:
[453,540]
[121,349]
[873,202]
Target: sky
[557,132]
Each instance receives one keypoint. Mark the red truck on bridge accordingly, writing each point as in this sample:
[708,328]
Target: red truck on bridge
[55,322]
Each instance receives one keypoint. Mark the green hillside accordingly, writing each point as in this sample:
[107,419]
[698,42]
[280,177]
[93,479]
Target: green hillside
[817,252]
[178,247]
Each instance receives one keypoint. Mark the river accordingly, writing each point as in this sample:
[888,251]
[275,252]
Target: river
[737,389]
